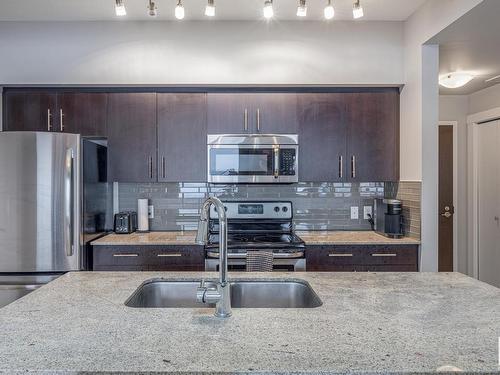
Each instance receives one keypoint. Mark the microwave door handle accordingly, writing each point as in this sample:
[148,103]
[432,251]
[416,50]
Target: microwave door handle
[276,161]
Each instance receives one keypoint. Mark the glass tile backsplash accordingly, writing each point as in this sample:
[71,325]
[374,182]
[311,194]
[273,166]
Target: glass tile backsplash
[317,206]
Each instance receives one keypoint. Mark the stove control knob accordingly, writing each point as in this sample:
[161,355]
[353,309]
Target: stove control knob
[285,209]
[276,209]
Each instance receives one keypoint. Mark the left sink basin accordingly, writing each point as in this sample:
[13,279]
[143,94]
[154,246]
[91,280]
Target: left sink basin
[167,293]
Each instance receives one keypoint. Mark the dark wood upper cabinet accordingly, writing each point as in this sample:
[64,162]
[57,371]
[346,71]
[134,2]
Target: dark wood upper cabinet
[322,137]
[228,113]
[274,113]
[241,113]
[132,137]
[83,113]
[30,111]
[182,137]
[373,136]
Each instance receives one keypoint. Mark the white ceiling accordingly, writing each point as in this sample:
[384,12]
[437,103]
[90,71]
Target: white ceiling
[101,10]
[472,44]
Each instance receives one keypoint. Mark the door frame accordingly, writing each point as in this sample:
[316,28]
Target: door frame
[472,186]
[454,124]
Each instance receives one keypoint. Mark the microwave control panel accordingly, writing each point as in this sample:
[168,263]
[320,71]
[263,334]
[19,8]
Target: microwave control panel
[287,162]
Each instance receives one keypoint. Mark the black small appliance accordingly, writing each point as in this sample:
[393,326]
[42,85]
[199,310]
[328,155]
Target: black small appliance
[389,218]
[125,222]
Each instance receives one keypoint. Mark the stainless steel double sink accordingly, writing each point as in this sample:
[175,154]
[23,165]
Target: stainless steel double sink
[244,294]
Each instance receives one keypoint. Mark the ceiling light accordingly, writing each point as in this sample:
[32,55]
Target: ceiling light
[329,12]
[455,80]
[179,10]
[152,9]
[210,9]
[268,9]
[120,8]
[302,9]
[357,10]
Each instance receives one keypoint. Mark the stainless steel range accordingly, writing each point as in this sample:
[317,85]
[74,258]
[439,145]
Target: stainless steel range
[256,227]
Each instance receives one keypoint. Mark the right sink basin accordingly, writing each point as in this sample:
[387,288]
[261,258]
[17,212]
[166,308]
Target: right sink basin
[158,293]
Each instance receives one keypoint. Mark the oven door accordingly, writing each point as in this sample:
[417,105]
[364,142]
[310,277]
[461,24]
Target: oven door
[252,164]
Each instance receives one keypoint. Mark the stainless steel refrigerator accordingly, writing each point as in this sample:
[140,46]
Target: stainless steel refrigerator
[54,199]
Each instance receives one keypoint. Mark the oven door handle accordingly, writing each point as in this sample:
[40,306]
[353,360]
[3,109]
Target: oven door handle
[276,149]
[295,255]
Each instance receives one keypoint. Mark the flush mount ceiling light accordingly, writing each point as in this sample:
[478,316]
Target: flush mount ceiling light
[302,9]
[210,9]
[455,80]
[329,12]
[179,10]
[357,10]
[268,9]
[120,10]
[152,9]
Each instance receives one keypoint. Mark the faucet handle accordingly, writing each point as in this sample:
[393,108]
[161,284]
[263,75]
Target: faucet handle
[201,291]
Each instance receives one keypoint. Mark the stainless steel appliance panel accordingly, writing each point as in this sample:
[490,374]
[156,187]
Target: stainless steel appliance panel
[39,202]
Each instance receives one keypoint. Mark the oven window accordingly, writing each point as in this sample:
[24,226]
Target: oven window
[241,161]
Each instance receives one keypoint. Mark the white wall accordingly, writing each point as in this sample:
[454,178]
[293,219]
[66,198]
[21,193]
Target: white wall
[484,100]
[420,112]
[455,108]
[168,53]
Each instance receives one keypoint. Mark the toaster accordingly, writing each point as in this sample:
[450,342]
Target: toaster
[125,222]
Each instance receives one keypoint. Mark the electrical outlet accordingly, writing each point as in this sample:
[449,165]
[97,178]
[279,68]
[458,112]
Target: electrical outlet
[354,213]
[367,210]
[151,212]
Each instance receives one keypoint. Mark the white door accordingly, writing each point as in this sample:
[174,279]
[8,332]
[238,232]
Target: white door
[489,203]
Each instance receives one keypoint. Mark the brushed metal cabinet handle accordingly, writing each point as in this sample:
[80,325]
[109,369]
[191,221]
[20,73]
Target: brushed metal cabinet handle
[245,120]
[258,119]
[384,255]
[49,116]
[340,255]
[172,255]
[341,166]
[353,166]
[163,169]
[150,167]
[126,255]
[61,119]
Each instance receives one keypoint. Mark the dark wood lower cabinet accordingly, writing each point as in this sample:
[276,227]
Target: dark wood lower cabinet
[148,258]
[363,258]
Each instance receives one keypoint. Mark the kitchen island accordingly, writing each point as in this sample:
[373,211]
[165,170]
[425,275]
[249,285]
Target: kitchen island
[368,322]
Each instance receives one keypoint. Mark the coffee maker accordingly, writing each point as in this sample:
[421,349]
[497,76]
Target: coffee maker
[388,217]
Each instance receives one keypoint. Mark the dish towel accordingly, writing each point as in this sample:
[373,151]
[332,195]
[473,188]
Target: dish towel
[259,261]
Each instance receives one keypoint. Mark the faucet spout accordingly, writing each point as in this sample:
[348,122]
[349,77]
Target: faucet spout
[223,297]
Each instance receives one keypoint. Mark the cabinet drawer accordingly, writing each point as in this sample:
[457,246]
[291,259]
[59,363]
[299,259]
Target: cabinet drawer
[177,258]
[118,256]
[407,254]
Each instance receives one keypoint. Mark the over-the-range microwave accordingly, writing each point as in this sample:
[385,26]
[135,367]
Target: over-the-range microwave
[253,158]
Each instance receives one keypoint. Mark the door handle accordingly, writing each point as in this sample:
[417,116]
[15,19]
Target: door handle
[245,119]
[68,203]
[258,119]
[61,119]
[446,214]
[341,166]
[49,116]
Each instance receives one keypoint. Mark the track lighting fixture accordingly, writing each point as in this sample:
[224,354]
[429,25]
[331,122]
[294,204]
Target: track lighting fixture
[210,9]
[152,9]
[357,10]
[179,10]
[329,12]
[120,10]
[302,9]
[268,9]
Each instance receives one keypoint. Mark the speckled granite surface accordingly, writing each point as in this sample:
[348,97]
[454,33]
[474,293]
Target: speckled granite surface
[392,322]
[310,237]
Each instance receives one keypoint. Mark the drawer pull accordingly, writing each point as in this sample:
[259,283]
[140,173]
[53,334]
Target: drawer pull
[384,255]
[125,255]
[168,255]
[339,255]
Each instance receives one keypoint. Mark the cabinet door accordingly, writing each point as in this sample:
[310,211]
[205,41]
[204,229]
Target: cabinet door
[182,137]
[229,113]
[132,137]
[30,111]
[83,113]
[322,137]
[274,113]
[373,136]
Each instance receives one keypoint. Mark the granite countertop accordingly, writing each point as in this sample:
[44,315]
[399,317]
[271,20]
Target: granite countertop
[369,322]
[310,238]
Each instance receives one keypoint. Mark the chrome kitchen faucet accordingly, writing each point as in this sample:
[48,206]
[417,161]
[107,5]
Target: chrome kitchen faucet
[220,296]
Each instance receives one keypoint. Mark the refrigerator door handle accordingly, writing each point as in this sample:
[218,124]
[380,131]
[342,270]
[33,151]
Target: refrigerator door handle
[69,203]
